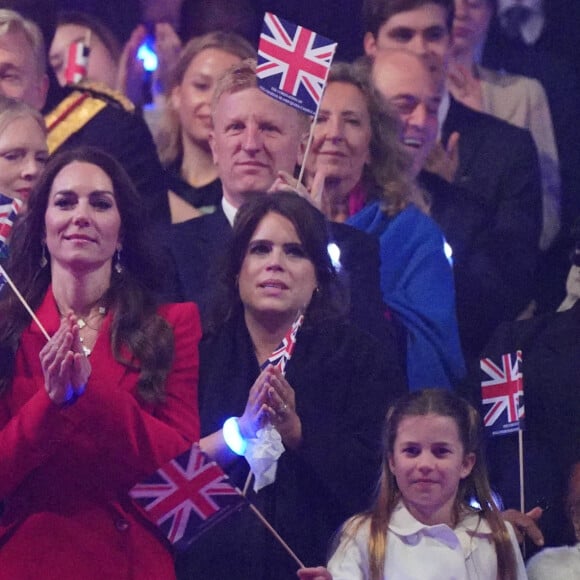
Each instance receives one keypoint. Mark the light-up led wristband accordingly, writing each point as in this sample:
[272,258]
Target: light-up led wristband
[233,437]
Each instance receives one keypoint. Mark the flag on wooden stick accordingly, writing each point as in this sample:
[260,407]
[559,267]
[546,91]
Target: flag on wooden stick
[293,63]
[187,496]
[502,393]
[9,209]
[77,62]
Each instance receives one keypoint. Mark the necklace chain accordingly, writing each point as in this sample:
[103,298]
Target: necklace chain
[83,322]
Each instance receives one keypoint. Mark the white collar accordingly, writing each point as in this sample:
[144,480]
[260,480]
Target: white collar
[229,210]
[404,525]
[532,29]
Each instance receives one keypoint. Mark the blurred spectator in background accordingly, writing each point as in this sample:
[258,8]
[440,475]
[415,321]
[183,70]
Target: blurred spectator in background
[105,48]
[516,99]
[86,115]
[540,40]
[183,134]
[550,344]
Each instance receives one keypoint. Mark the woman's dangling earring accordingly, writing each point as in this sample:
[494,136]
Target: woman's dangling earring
[43,258]
[118,265]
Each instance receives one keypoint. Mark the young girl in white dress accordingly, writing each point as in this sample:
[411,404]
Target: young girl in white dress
[422,526]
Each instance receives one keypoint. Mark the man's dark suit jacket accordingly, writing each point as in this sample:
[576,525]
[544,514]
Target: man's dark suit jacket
[551,370]
[198,245]
[560,78]
[492,215]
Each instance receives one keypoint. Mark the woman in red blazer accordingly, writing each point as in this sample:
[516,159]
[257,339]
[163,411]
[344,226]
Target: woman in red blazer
[108,399]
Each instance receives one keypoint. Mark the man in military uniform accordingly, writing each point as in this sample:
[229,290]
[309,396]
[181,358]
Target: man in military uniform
[88,114]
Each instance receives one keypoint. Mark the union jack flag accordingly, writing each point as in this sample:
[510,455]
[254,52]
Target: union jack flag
[280,357]
[9,209]
[293,63]
[77,62]
[502,393]
[187,496]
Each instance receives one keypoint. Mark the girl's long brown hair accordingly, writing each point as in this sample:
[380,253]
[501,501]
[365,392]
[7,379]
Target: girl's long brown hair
[474,486]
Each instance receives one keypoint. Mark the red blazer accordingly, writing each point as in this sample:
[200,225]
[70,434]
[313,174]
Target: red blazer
[65,473]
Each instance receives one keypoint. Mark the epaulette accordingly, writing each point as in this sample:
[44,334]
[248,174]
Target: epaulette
[77,109]
[102,91]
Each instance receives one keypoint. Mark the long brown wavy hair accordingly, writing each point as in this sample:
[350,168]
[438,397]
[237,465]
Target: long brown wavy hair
[131,295]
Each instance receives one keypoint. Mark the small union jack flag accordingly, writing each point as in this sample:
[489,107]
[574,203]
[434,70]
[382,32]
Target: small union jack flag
[187,496]
[77,62]
[502,393]
[9,209]
[280,357]
[293,63]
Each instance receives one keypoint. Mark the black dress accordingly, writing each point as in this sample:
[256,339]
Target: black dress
[344,381]
[208,196]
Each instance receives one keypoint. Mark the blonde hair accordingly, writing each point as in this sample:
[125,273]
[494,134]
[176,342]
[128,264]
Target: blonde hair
[169,138]
[12,22]
[476,485]
[11,109]
[240,77]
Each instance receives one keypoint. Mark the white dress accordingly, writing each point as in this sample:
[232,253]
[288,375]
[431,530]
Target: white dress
[419,552]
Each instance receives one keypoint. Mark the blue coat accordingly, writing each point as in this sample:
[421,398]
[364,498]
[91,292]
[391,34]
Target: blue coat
[417,284]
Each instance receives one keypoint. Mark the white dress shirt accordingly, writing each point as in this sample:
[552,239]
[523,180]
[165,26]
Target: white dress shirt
[229,210]
[419,552]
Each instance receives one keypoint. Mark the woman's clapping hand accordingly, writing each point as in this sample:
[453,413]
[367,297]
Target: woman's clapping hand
[65,366]
[272,400]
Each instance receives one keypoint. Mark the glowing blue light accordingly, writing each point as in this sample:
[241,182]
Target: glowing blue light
[448,252]
[233,437]
[474,504]
[148,56]
[495,497]
[334,253]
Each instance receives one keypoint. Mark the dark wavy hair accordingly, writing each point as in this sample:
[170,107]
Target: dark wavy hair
[376,12]
[132,295]
[328,301]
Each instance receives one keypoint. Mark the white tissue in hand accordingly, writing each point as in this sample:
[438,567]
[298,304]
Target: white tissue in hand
[262,454]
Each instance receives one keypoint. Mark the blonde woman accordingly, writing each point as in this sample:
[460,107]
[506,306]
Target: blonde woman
[23,155]
[182,139]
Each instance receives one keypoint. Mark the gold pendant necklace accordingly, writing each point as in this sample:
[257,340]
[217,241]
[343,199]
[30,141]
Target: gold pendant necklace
[81,322]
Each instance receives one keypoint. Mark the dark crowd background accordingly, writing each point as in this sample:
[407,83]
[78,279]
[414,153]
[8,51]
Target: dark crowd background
[336,19]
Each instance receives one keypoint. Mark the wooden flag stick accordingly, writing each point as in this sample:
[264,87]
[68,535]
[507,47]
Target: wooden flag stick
[24,303]
[308,144]
[247,484]
[522,490]
[276,534]
[88,34]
